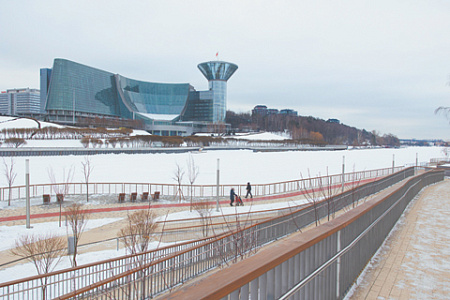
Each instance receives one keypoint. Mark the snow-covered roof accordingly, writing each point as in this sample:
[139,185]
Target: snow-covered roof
[14,122]
[260,136]
[159,117]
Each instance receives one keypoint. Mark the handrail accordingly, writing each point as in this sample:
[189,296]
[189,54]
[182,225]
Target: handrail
[199,191]
[111,263]
[242,277]
[206,254]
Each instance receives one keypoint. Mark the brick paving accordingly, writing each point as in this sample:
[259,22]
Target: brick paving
[414,262]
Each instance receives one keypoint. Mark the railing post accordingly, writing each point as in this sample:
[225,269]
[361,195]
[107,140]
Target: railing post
[393,163]
[217,189]
[27,181]
[343,172]
[338,264]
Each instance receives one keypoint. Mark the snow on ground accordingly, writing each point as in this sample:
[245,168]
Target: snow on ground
[232,210]
[18,271]
[260,136]
[14,122]
[236,166]
[10,233]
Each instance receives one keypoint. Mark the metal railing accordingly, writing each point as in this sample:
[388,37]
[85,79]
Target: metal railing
[63,281]
[198,191]
[158,276]
[325,262]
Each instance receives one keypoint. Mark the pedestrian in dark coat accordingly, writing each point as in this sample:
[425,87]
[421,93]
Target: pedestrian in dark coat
[249,190]
[232,196]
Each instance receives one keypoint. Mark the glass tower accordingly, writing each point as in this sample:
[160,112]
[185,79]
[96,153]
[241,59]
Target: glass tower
[217,73]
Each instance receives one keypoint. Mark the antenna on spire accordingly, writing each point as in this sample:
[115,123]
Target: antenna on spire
[217,55]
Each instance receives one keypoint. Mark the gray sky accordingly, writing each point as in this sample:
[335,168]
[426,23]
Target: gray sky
[375,65]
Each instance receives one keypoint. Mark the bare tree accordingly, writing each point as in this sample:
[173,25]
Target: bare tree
[87,170]
[85,141]
[204,210]
[444,110]
[61,189]
[44,251]
[312,195]
[15,142]
[138,231]
[327,192]
[242,238]
[178,177]
[193,171]
[354,184]
[77,218]
[10,175]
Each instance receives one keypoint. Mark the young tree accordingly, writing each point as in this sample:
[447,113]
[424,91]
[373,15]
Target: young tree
[61,189]
[327,192]
[178,177]
[10,175]
[312,195]
[15,142]
[241,243]
[138,231]
[44,251]
[204,210]
[87,170]
[85,141]
[193,171]
[77,218]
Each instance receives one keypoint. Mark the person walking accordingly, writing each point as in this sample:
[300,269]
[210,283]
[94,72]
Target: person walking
[249,190]
[232,196]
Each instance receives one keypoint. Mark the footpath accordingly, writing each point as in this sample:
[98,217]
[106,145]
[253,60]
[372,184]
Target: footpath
[51,213]
[414,262]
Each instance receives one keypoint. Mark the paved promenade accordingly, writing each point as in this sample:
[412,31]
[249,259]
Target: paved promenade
[414,263]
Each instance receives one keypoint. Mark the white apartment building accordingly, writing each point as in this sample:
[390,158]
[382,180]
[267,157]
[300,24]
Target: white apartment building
[16,102]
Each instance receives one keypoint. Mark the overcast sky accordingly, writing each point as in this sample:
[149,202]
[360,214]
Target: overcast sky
[375,65]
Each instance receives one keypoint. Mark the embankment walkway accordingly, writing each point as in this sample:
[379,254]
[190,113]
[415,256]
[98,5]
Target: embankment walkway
[414,262]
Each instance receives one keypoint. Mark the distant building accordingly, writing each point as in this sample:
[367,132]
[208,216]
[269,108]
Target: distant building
[76,92]
[260,110]
[288,112]
[20,102]
[334,121]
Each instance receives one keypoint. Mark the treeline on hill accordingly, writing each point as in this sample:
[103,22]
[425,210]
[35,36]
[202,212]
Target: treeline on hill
[307,129]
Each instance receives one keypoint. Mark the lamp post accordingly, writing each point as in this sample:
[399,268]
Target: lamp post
[27,183]
[217,187]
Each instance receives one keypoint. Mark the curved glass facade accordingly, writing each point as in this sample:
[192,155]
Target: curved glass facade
[217,73]
[75,87]
[81,89]
[76,90]
[154,98]
[217,70]
[219,89]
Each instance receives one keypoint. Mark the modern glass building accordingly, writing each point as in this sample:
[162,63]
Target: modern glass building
[45,75]
[77,91]
[218,73]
